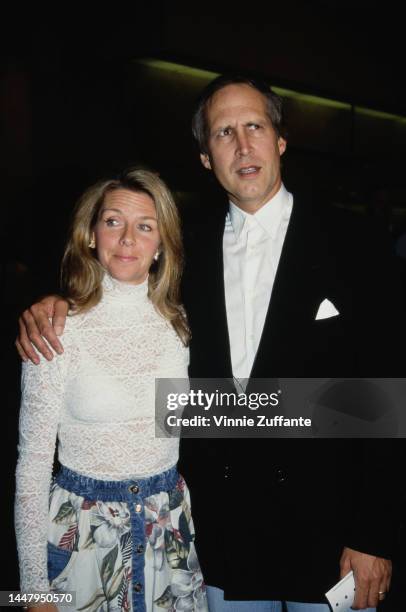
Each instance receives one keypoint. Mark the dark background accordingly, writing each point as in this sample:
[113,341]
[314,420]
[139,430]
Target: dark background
[75,106]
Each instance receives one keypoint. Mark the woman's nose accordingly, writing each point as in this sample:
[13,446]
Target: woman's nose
[127,239]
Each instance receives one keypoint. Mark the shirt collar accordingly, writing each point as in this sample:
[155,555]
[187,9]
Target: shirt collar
[269,216]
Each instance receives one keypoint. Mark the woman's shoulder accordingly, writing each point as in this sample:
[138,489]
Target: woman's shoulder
[75,324]
[74,321]
[79,319]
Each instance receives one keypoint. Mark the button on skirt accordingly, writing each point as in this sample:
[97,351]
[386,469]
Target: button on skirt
[124,545]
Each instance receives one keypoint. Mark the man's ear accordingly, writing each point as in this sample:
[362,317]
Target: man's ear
[204,158]
[281,145]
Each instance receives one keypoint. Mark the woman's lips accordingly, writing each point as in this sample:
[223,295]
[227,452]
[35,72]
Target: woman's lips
[125,258]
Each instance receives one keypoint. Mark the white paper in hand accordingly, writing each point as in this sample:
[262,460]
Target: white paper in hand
[341,596]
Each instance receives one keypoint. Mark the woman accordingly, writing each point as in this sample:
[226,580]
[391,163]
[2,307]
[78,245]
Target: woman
[117,530]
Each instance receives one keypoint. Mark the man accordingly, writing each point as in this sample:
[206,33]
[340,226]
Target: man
[279,520]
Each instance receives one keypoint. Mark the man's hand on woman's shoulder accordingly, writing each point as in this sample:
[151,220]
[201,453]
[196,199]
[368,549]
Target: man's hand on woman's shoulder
[40,325]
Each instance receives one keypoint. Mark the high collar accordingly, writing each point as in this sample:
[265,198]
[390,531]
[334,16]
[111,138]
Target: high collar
[124,292]
[269,216]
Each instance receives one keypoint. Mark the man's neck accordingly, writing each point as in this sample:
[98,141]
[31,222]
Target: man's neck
[253,207]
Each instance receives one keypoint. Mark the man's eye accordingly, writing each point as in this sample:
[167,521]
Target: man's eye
[225,132]
[254,126]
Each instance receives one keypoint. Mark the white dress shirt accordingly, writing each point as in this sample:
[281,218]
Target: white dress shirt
[252,246]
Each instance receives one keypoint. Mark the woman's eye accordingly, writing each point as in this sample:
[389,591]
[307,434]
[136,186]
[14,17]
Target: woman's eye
[111,222]
[145,227]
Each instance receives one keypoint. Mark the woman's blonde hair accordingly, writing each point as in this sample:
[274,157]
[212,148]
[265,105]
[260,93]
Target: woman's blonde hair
[81,272]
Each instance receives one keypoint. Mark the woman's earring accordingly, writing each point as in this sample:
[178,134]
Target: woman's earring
[156,256]
[92,243]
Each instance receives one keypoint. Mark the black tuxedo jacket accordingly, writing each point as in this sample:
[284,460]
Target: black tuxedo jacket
[273,515]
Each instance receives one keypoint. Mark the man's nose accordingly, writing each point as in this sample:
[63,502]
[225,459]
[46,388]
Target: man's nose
[243,143]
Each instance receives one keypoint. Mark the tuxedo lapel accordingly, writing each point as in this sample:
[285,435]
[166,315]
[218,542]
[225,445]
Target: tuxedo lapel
[291,302]
[216,284]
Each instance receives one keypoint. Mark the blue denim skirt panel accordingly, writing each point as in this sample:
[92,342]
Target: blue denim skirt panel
[124,545]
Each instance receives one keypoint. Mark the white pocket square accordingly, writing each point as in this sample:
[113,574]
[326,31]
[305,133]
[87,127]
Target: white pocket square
[326,310]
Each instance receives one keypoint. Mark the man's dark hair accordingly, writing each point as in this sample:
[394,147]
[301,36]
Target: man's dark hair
[274,105]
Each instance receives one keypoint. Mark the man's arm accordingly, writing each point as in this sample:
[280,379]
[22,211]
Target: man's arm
[37,332]
[372,577]
[378,338]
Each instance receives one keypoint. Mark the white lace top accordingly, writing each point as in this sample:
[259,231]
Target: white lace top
[98,398]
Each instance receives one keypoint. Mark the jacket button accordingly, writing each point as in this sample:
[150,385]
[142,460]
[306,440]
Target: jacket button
[226,471]
[280,475]
[134,488]
[140,549]
[138,587]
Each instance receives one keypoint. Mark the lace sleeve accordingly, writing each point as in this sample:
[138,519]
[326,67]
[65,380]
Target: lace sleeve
[41,402]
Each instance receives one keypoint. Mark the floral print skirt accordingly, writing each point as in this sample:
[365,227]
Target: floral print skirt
[124,545]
